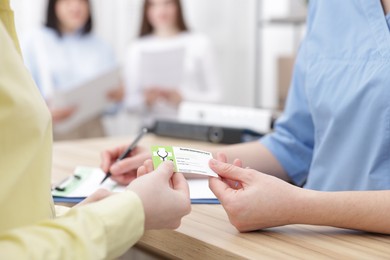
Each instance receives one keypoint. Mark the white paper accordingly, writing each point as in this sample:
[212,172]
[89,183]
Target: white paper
[199,189]
[91,178]
[90,99]
[90,182]
[162,68]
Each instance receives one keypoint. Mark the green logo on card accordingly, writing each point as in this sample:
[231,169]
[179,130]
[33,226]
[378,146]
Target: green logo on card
[161,154]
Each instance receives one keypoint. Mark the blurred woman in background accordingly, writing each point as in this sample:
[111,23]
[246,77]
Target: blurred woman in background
[168,64]
[64,54]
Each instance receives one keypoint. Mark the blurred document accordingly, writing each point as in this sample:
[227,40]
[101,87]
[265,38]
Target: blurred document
[162,68]
[90,99]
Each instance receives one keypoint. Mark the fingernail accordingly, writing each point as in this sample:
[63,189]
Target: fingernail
[171,162]
[214,162]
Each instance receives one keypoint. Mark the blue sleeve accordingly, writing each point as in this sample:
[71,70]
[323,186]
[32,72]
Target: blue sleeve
[292,141]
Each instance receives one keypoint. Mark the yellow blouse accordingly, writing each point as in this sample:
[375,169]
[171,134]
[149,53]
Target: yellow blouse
[27,228]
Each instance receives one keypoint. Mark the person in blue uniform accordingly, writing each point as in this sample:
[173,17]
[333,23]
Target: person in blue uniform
[333,139]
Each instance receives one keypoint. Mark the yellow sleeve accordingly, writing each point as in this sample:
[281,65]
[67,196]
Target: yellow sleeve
[61,210]
[7,17]
[25,138]
[102,230]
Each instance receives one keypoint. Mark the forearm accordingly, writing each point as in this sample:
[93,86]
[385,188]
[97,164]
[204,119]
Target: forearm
[255,156]
[386,6]
[361,210]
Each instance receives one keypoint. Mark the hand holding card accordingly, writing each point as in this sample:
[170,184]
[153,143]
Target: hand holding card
[186,160]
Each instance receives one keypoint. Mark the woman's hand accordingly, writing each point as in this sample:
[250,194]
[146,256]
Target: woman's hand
[117,94]
[151,95]
[164,194]
[123,171]
[254,200]
[171,95]
[60,114]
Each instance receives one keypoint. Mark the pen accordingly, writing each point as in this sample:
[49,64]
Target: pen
[128,150]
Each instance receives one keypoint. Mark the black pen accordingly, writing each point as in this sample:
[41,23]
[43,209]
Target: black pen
[128,150]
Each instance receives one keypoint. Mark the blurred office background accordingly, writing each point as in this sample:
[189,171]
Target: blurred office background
[254,41]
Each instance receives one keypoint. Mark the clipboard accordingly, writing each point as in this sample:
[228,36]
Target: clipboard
[77,200]
[86,180]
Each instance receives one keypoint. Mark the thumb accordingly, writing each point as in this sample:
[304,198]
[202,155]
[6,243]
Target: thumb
[180,184]
[228,171]
[166,170]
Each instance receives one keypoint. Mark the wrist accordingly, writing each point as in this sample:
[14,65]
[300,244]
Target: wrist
[303,207]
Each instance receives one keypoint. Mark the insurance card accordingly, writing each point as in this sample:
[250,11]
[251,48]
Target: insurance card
[186,160]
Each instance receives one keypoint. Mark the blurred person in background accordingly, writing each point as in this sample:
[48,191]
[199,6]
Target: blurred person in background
[65,53]
[168,64]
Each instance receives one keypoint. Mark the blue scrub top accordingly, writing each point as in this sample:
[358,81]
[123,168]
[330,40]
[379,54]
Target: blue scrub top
[335,132]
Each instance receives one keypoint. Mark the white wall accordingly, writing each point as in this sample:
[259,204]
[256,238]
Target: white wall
[275,40]
[232,26]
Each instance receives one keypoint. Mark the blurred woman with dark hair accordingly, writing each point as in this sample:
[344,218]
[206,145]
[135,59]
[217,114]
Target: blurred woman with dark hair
[66,53]
[168,64]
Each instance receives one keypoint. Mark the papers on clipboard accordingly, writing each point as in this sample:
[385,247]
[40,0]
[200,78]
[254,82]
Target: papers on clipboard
[86,180]
[89,98]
